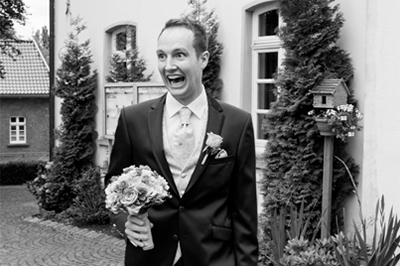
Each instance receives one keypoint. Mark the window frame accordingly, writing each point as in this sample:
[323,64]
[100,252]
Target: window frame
[121,29]
[259,45]
[18,130]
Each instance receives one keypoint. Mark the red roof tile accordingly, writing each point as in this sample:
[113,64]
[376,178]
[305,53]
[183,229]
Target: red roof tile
[27,73]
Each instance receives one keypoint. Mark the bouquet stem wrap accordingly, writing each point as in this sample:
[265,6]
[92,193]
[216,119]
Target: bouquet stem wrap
[148,244]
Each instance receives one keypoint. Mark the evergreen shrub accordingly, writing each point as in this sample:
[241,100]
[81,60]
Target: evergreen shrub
[88,206]
[127,66]
[294,151]
[76,86]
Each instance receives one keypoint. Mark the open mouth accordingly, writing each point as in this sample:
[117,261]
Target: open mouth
[176,80]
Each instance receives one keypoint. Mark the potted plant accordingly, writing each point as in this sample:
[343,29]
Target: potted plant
[342,121]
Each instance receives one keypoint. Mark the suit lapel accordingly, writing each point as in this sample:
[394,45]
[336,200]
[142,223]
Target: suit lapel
[155,128]
[214,124]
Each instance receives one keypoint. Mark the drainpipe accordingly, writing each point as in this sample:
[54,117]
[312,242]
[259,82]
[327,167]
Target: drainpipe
[51,92]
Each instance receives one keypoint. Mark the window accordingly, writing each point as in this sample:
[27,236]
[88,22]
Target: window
[266,57]
[17,130]
[268,23]
[123,46]
[124,39]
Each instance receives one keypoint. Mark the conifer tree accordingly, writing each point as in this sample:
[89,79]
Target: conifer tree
[294,151]
[42,39]
[198,12]
[76,86]
[127,66]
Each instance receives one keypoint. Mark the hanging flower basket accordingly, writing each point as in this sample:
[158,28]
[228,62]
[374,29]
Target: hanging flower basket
[324,128]
[340,121]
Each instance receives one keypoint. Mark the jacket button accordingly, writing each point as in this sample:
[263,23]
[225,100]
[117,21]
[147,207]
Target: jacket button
[175,237]
[181,208]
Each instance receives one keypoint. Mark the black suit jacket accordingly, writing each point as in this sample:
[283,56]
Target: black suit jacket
[216,219]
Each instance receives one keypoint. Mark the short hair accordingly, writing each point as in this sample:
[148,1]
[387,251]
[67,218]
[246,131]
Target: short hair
[200,42]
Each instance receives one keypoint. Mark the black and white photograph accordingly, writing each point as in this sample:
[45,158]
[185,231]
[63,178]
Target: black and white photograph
[199,132]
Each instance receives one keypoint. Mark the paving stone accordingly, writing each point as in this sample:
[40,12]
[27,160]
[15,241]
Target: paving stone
[28,240]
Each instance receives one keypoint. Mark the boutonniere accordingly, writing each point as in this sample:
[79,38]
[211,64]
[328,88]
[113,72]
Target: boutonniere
[213,145]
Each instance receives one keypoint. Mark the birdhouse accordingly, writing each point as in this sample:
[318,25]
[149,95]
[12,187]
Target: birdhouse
[329,93]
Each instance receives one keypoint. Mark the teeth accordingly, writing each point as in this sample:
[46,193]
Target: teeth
[175,79]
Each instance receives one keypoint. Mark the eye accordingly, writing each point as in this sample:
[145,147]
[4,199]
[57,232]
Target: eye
[161,57]
[180,55]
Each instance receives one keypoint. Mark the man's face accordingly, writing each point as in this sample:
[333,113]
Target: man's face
[179,65]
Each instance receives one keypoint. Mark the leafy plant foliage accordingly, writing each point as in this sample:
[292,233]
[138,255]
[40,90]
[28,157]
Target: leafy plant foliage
[198,12]
[42,38]
[342,120]
[291,247]
[294,162]
[11,11]
[88,206]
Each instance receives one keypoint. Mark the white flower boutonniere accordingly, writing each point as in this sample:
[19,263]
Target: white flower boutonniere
[213,145]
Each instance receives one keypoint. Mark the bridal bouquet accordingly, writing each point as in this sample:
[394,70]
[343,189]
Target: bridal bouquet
[135,191]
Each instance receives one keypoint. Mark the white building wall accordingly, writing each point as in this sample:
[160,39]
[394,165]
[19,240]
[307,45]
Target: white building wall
[149,17]
[370,35]
[354,43]
[382,98]
[230,33]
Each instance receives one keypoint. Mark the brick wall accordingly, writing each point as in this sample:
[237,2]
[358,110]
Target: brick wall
[36,112]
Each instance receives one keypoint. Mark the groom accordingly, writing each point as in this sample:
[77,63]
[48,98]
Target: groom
[211,219]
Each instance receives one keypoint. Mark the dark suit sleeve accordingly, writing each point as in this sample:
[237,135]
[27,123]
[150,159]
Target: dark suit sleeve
[244,200]
[119,159]
[121,154]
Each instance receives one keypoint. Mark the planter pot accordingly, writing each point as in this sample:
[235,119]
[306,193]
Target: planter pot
[324,128]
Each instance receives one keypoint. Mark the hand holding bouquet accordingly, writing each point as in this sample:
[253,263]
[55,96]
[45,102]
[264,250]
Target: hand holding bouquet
[135,191]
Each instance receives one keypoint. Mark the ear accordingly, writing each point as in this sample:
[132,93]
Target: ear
[204,59]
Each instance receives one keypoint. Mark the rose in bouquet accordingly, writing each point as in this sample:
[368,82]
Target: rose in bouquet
[135,191]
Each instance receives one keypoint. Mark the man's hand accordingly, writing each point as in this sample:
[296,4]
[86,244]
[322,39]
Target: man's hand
[137,230]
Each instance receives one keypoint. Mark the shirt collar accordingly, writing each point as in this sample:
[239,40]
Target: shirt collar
[197,106]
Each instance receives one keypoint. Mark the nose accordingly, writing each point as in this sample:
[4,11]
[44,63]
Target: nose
[170,64]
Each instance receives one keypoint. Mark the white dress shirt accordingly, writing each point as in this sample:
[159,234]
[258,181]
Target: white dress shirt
[198,121]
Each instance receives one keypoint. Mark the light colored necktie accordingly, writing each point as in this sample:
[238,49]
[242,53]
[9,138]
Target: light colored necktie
[183,140]
[182,149]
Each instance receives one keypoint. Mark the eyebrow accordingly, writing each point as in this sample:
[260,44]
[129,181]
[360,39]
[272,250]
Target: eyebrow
[180,50]
[173,51]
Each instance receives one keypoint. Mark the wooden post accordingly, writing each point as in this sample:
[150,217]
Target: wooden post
[327,186]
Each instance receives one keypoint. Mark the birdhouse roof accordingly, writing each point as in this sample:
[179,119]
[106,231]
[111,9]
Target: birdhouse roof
[26,73]
[329,86]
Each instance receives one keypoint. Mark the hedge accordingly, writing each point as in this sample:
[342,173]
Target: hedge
[18,173]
